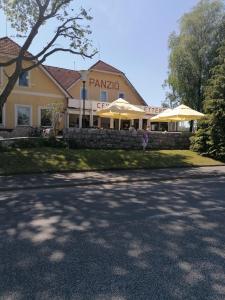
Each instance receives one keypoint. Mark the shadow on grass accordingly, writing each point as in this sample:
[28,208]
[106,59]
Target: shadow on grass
[56,160]
[156,241]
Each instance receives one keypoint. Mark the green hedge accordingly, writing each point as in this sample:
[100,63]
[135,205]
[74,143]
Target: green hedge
[34,143]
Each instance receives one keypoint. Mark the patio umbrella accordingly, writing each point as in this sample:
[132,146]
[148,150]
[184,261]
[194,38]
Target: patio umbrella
[162,116]
[122,110]
[180,113]
[185,113]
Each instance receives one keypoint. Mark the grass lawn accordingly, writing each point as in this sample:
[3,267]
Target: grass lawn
[18,161]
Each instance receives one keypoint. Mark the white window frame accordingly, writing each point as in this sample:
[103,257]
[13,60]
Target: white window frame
[121,92]
[86,98]
[39,116]
[3,117]
[107,96]
[16,115]
[29,82]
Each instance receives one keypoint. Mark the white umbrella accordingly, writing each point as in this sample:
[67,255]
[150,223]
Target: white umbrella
[185,113]
[180,113]
[162,116]
[122,110]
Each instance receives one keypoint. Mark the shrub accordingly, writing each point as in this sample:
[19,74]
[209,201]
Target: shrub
[40,142]
[26,143]
[54,142]
[210,137]
[72,143]
[200,141]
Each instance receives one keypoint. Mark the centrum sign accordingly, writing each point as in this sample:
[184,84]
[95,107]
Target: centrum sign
[149,110]
[153,110]
[102,105]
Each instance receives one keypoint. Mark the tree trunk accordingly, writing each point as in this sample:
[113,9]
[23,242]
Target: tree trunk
[9,87]
[14,77]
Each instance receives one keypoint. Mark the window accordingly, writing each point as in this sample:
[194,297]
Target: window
[121,95]
[23,115]
[24,79]
[45,117]
[105,123]
[83,93]
[104,96]
[73,120]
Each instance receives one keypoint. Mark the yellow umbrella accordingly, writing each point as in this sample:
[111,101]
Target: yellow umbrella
[180,113]
[185,113]
[162,116]
[122,110]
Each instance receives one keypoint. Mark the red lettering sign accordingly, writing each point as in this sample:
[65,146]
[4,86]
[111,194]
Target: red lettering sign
[104,84]
[91,81]
[97,83]
[153,110]
[102,105]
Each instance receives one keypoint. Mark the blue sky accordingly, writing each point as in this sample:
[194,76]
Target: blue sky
[130,35]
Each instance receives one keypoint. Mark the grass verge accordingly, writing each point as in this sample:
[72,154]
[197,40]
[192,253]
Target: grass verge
[36,160]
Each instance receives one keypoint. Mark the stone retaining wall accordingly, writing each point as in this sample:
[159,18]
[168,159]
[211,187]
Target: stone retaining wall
[113,139]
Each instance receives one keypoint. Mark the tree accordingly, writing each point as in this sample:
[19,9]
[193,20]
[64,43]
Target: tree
[193,50]
[171,100]
[27,17]
[210,137]
[57,112]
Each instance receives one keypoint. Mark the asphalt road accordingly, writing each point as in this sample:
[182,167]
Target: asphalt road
[159,240]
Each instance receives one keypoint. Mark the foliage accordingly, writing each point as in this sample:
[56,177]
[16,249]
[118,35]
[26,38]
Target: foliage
[35,132]
[199,141]
[27,17]
[57,111]
[172,98]
[210,138]
[54,143]
[192,52]
[72,143]
[27,143]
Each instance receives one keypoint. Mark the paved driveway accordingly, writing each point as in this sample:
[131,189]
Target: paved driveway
[159,240]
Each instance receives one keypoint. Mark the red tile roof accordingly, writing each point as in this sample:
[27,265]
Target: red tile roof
[102,66]
[10,47]
[65,77]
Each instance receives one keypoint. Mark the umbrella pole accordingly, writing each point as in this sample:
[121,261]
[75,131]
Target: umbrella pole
[119,124]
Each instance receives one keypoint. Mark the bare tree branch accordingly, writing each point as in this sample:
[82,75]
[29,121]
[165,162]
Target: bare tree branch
[59,32]
[42,60]
[9,62]
[56,8]
[5,73]
[68,28]
[39,4]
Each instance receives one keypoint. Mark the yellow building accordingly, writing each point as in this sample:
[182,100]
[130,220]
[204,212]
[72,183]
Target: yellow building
[80,96]
[26,106]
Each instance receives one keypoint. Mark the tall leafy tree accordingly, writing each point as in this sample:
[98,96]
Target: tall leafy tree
[192,52]
[210,138]
[27,17]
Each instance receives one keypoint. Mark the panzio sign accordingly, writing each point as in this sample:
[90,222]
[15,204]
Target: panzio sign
[104,84]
